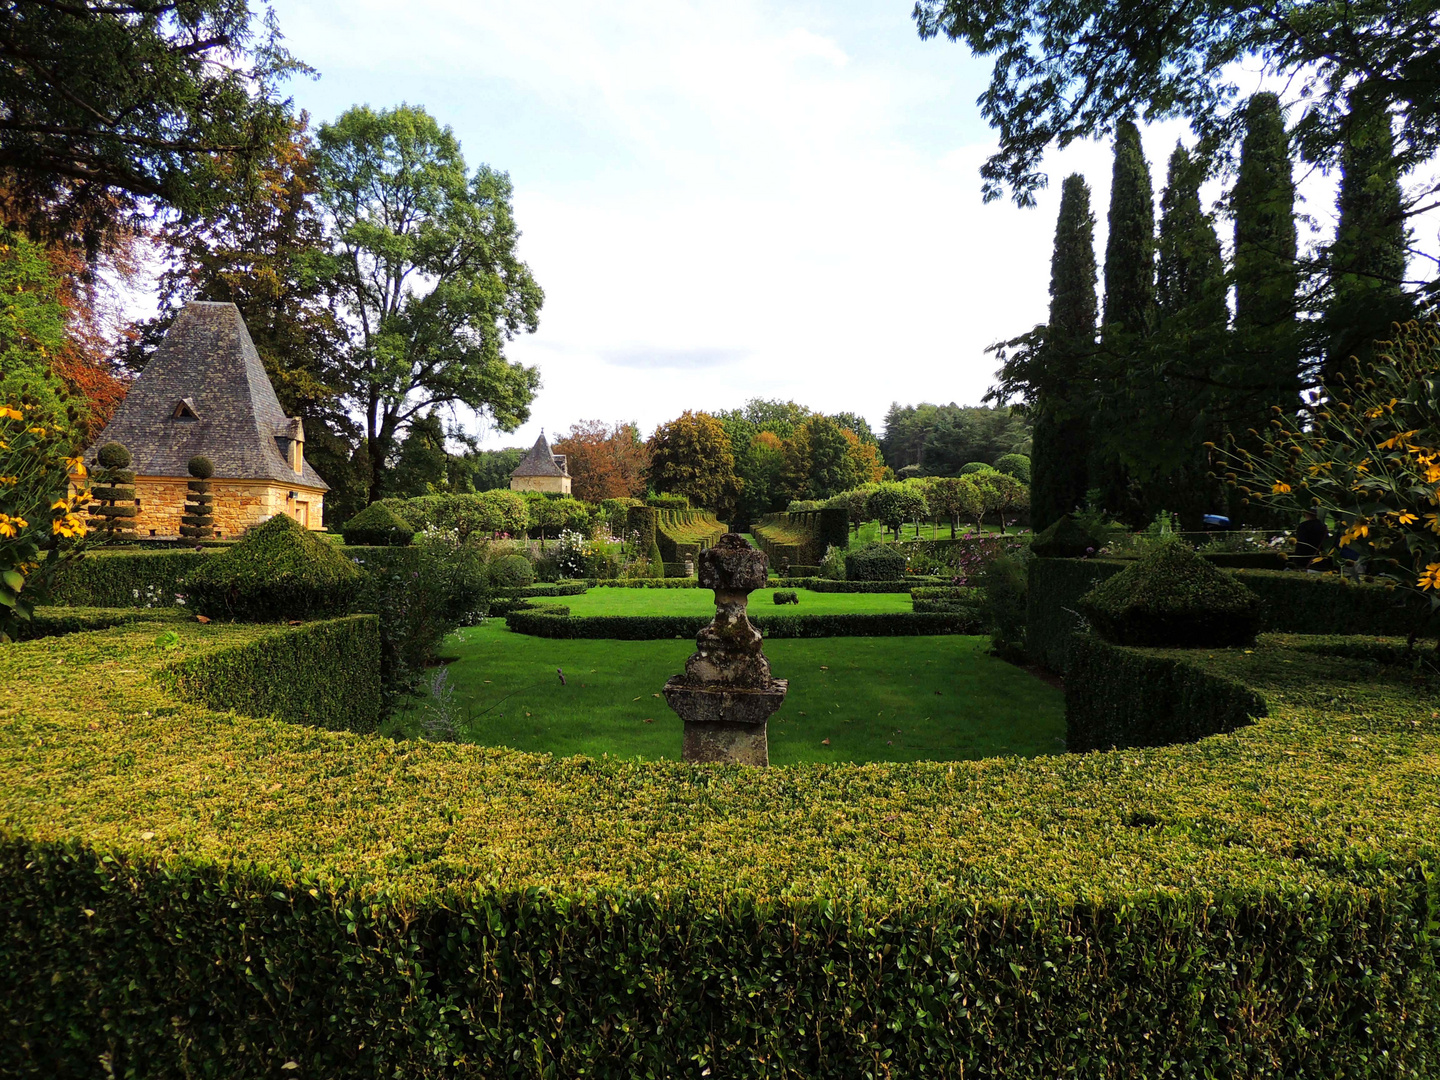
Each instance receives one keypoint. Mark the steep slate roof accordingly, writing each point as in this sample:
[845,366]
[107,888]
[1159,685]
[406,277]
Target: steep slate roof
[207,365]
[539,461]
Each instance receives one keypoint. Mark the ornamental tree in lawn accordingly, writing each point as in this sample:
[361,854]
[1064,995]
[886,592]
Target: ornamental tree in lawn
[894,504]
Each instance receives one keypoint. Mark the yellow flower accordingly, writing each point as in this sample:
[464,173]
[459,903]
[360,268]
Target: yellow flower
[1406,517]
[7,413]
[1430,579]
[1280,489]
[71,525]
[11,526]
[1355,532]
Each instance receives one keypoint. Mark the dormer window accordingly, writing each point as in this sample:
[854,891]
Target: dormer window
[184,410]
[290,441]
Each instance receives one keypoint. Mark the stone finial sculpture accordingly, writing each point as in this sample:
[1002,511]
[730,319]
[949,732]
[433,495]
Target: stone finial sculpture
[726,696]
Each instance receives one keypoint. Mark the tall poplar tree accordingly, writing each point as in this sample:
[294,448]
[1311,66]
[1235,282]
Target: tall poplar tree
[1265,361]
[1060,371]
[1129,314]
[1367,258]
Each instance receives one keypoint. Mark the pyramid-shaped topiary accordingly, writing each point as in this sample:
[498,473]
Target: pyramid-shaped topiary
[1067,538]
[1173,597]
[280,570]
[378,525]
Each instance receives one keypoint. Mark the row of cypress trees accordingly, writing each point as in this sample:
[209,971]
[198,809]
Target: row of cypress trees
[1124,399]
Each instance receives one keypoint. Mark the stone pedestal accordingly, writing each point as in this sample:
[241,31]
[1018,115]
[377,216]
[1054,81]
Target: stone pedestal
[727,696]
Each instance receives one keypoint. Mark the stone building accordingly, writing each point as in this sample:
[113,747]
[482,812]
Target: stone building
[205,392]
[540,470]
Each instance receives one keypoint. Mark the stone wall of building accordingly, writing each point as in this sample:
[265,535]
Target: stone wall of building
[238,505]
[557,484]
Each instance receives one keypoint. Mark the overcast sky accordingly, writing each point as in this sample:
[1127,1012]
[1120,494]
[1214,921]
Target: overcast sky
[754,198]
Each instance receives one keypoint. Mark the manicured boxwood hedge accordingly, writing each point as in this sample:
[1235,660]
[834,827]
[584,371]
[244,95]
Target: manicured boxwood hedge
[326,674]
[126,578]
[1294,602]
[643,583]
[558,588]
[1117,696]
[57,621]
[1051,618]
[188,893]
[1302,603]
[1247,560]
[650,627]
[830,585]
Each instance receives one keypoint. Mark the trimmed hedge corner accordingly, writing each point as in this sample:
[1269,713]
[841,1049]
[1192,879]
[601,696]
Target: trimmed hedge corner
[1117,697]
[324,674]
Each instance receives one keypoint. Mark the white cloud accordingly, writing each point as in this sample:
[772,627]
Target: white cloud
[724,201]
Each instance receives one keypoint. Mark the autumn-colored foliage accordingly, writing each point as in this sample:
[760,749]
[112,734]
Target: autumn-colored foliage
[604,461]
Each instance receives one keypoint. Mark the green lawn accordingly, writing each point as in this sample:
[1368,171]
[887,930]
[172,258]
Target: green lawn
[702,602]
[874,699]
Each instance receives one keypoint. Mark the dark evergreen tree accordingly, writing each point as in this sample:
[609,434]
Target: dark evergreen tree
[1189,269]
[199,517]
[1129,317]
[1189,343]
[421,468]
[1367,258]
[1265,350]
[1059,379]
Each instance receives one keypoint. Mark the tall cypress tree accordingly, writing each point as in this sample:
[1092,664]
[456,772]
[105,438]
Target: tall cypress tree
[1189,343]
[1129,313]
[1061,437]
[1367,258]
[1265,359]
[1189,269]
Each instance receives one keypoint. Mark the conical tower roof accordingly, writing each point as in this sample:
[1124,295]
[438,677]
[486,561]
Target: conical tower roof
[539,461]
[205,391]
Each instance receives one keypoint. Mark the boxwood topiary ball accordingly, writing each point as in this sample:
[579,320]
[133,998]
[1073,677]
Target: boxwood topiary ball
[201,467]
[113,456]
[1173,597]
[514,572]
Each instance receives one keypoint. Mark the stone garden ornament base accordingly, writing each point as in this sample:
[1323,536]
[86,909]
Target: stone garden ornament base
[727,696]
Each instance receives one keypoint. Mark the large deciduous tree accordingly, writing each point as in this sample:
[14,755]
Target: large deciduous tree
[691,456]
[428,274]
[1067,71]
[605,461]
[111,105]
